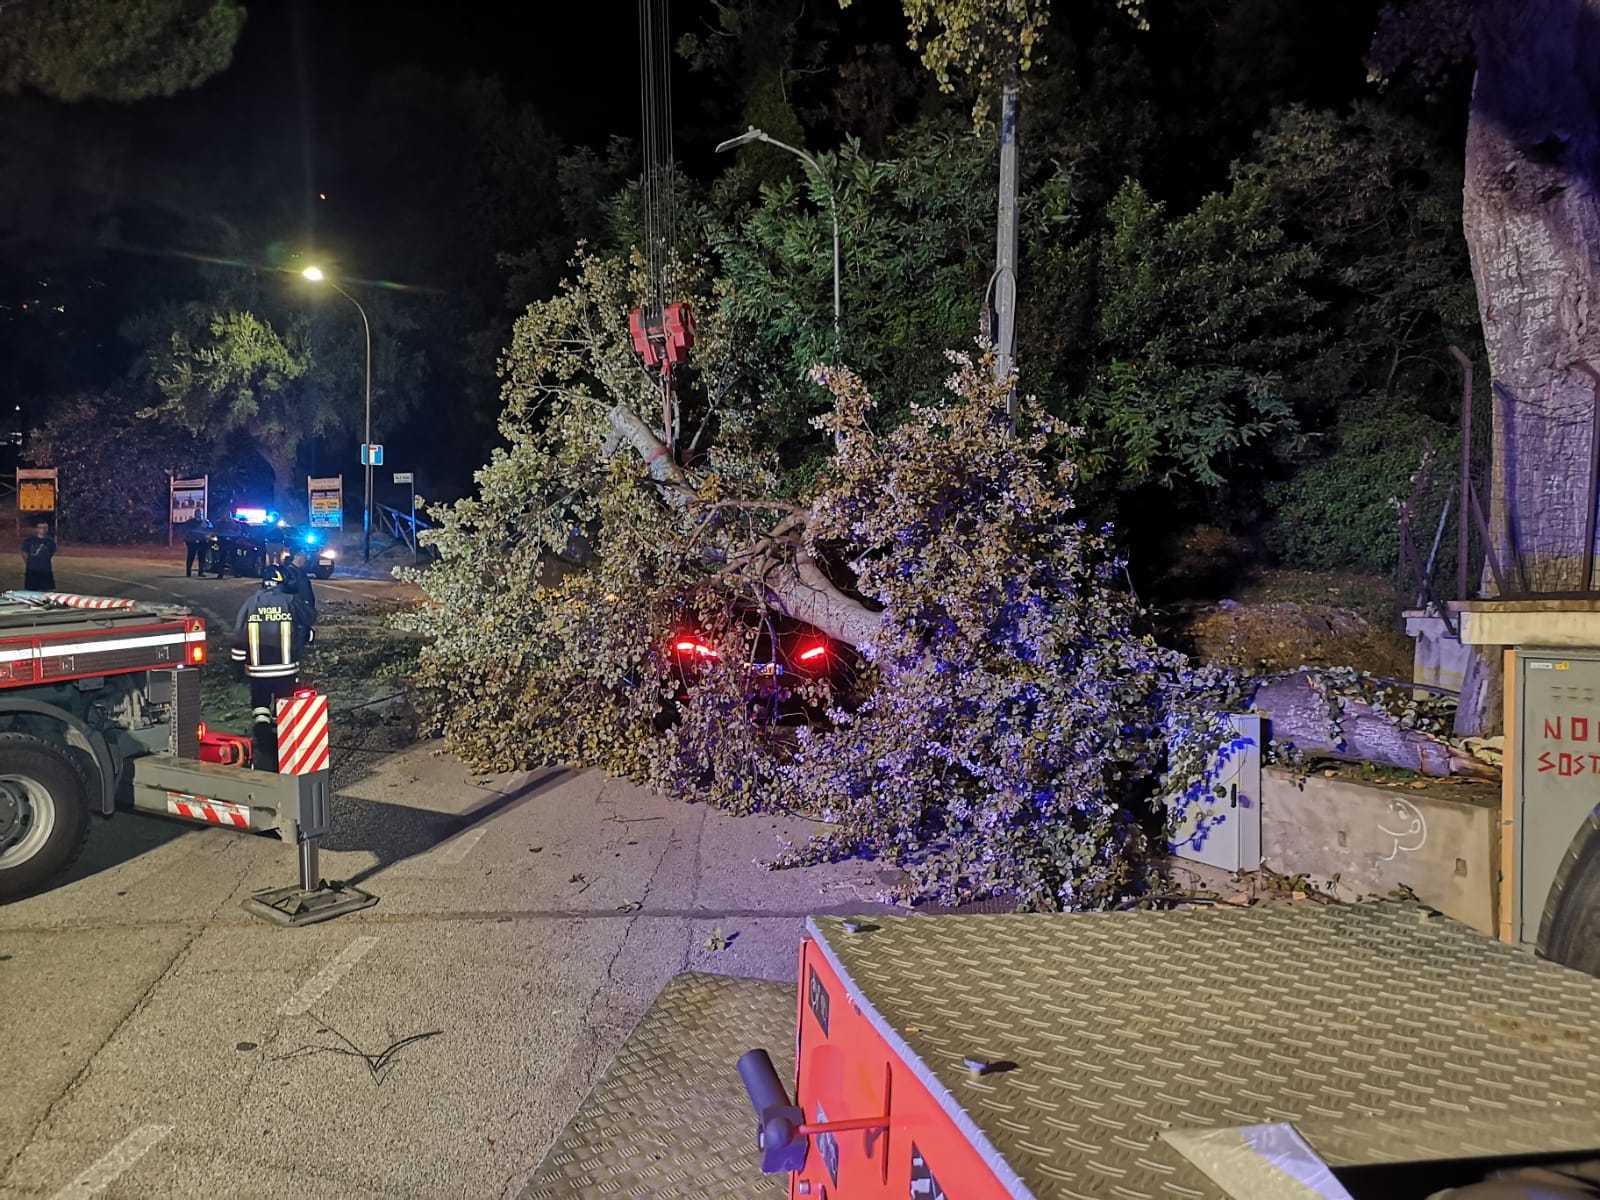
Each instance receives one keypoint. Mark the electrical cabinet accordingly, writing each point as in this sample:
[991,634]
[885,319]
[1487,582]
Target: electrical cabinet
[1557,770]
[1224,829]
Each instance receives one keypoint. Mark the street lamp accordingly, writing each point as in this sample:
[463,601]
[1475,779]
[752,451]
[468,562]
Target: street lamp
[757,135]
[315,275]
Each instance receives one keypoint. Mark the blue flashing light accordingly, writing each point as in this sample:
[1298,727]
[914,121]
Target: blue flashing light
[312,539]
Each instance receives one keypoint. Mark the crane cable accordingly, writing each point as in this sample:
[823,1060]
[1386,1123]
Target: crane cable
[657,193]
[657,190]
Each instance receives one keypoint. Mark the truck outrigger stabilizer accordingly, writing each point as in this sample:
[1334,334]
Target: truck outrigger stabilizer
[294,806]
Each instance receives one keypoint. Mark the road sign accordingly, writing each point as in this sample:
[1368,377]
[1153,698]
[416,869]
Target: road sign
[374,451]
[403,477]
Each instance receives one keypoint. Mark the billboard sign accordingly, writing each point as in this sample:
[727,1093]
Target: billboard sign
[36,489]
[189,499]
[325,501]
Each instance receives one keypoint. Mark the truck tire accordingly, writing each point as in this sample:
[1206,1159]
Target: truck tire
[1569,930]
[44,813]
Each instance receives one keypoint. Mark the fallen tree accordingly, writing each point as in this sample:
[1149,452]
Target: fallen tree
[1312,717]
[1012,730]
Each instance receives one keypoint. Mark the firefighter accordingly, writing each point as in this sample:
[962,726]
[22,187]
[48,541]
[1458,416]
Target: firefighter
[271,635]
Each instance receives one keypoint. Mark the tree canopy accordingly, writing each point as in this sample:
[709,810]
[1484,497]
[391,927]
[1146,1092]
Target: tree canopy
[129,50]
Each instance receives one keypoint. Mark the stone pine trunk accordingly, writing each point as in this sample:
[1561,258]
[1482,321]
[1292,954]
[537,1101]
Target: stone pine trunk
[1531,215]
[1532,223]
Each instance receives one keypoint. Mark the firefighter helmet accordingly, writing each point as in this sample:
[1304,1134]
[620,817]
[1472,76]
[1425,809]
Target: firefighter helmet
[272,577]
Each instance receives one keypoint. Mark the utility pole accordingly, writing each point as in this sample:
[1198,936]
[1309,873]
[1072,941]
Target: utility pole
[1005,250]
[316,275]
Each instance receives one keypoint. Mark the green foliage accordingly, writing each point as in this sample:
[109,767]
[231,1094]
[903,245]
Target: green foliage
[756,51]
[113,468]
[907,226]
[1339,511]
[987,42]
[1014,738]
[1380,203]
[1009,731]
[274,360]
[1198,319]
[524,665]
[229,377]
[1373,194]
[127,50]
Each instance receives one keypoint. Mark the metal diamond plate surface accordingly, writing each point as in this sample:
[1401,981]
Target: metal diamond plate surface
[1382,1031]
[670,1117]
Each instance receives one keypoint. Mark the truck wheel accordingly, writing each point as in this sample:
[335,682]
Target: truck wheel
[1569,931]
[44,813]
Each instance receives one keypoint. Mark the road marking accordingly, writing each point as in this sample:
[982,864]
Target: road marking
[322,983]
[121,1156]
[458,848]
[172,596]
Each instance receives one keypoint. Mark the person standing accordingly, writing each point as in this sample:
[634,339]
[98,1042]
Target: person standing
[271,634]
[38,553]
[297,579]
[196,537]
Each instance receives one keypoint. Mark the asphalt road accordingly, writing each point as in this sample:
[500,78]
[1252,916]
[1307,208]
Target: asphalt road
[157,1041]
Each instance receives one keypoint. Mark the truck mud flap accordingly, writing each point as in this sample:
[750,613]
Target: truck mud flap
[670,1116]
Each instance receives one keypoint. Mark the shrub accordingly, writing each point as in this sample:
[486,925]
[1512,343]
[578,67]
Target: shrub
[113,468]
[1340,512]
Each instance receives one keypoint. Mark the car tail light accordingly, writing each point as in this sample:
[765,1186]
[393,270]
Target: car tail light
[697,648]
[813,652]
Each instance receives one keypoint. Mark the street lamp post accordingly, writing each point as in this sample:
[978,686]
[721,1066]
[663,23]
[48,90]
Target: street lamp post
[315,275]
[757,135]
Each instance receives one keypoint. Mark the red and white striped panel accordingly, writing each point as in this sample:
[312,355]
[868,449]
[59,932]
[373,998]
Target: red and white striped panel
[303,734]
[73,600]
[202,808]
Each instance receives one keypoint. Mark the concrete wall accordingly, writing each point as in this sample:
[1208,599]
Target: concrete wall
[1439,659]
[1440,842]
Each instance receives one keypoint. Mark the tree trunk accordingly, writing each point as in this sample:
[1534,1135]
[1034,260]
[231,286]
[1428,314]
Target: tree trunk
[281,454]
[1299,715]
[799,587]
[1531,214]
[1005,249]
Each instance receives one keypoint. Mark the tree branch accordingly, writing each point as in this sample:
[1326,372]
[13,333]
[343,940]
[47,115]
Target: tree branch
[797,586]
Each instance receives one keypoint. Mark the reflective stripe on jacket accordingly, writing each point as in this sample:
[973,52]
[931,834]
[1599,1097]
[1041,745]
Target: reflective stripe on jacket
[270,634]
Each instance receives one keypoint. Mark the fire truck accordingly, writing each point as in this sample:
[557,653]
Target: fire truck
[100,712]
[1295,1051]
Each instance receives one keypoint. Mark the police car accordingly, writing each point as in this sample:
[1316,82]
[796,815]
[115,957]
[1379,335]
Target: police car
[250,539]
[321,558]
